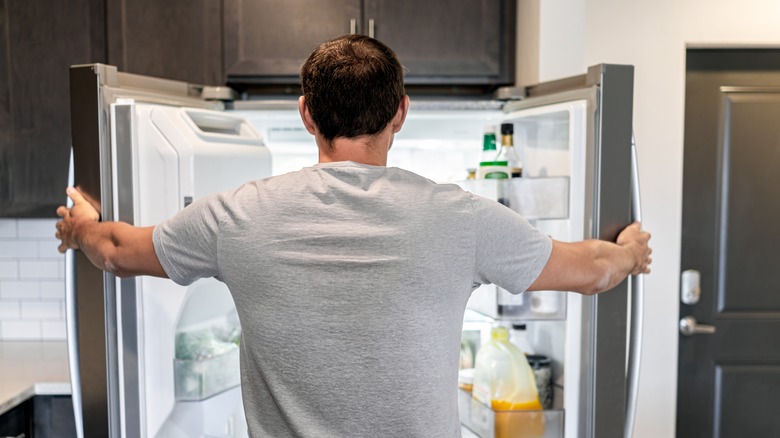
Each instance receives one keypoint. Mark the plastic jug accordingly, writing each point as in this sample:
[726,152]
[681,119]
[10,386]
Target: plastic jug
[504,380]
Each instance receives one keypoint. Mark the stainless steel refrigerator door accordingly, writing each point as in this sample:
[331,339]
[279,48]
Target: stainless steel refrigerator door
[95,315]
[608,89]
[108,408]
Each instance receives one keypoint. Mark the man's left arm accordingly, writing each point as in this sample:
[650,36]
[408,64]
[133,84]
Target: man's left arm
[115,247]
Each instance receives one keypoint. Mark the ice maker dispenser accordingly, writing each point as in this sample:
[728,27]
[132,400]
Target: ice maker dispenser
[216,151]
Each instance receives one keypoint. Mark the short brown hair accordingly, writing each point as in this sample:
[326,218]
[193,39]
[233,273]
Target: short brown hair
[352,85]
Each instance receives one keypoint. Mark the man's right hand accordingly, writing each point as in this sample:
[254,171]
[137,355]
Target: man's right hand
[636,241]
[594,266]
[82,210]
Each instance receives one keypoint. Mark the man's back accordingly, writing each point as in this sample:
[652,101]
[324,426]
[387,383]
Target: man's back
[350,282]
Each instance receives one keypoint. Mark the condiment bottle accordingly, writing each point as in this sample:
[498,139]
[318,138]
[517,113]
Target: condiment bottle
[508,151]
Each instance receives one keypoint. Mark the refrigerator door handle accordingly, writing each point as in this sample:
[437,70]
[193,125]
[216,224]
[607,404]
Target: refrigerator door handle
[71,323]
[637,298]
[71,328]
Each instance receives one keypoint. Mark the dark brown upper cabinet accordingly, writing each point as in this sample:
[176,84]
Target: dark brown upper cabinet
[40,40]
[267,41]
[172,39]
[447,42]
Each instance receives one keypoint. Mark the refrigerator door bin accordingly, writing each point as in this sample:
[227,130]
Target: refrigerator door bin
[201,379]
[533,198]
[489,423]
[498,304]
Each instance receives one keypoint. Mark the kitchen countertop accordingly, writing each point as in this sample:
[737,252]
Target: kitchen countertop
[32,368]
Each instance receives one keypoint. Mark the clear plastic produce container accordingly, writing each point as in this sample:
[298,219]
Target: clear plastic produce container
[200,379]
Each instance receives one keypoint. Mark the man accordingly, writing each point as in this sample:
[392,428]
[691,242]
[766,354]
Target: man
[351,278]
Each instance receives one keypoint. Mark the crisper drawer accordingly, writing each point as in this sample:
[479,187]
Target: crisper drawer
[488,423]
[200,379]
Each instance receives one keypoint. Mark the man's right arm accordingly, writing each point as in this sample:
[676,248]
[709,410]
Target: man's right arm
[594,266]
[115,247]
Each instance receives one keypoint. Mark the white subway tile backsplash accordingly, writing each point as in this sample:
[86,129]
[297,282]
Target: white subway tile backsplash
[10,310]
[41,269]
[42,228]
[52,289]
[8,228]
[18,249]
[41,310]
[48,249]
[21,330]
[32,286]
[9,270]
[26,290]
[53,330]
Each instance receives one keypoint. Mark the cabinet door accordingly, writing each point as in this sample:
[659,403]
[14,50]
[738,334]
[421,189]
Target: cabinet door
[267,41]
[18,421]
[448,41]
[172,39]
[39,41]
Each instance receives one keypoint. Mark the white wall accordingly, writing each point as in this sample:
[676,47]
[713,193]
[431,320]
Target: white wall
[652,35]
[561,42]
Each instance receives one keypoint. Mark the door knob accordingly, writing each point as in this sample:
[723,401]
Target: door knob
[689,327]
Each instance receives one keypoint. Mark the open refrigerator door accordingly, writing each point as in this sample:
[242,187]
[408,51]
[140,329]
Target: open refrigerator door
[574,138]
[153,358]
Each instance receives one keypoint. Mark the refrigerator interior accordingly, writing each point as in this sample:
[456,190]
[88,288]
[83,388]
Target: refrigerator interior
[441,145]
[437,144]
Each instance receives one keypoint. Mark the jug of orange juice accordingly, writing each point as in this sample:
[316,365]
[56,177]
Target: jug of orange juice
[504,381]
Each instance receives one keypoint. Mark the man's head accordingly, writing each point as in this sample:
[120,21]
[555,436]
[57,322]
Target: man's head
[352,86]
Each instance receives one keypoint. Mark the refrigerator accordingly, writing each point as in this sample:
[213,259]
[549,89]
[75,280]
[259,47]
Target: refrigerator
[144,148]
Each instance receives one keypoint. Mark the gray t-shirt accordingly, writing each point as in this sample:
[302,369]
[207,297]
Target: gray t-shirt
[351,282]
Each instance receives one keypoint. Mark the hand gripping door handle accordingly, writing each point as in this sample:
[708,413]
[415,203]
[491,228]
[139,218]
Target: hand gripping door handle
[637,299]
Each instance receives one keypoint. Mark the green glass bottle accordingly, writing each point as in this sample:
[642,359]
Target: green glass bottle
[489,151]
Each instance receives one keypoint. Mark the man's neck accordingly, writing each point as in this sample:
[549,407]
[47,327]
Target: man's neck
[370,150]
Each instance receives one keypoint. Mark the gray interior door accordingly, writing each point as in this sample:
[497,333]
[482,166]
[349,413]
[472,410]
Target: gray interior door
[729,380]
